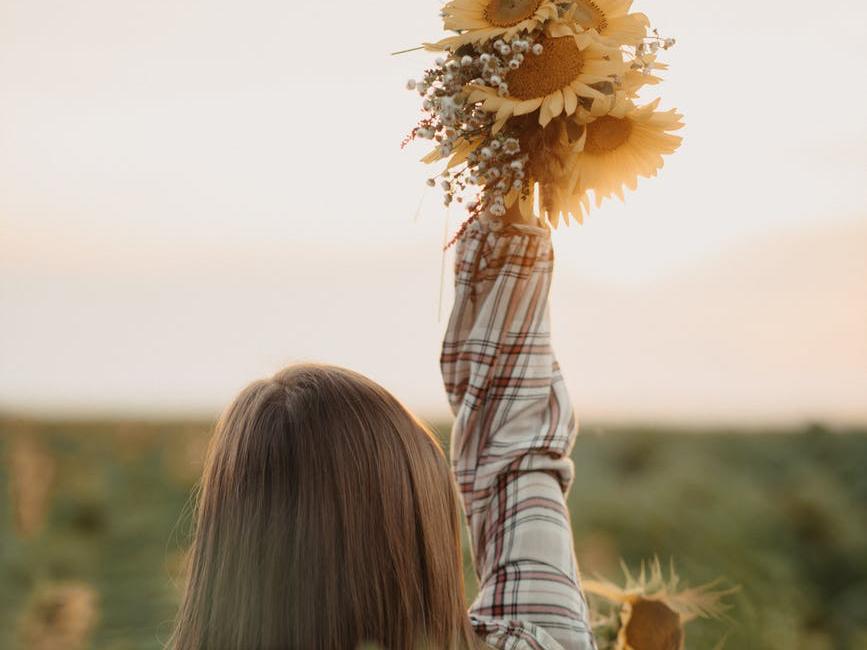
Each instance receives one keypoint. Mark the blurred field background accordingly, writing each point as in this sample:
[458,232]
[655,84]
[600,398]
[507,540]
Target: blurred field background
[95,516]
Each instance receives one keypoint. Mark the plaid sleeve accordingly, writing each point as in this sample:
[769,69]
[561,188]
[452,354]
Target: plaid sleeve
[513,432]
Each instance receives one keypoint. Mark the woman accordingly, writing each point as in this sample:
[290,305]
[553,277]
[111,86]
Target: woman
[327,516]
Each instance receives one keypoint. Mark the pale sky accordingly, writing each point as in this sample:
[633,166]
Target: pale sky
[193,194]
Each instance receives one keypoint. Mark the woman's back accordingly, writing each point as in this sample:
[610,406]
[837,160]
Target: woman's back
[328,515]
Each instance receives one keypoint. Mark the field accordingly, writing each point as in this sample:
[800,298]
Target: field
[103,508]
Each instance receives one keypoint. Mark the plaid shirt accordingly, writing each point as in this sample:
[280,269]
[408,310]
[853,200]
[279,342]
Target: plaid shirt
[511,440]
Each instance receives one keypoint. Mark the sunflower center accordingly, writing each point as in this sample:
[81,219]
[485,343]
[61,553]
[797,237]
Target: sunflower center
[557,66]
[508,13]
[589,15]
[607,134]
[654,626]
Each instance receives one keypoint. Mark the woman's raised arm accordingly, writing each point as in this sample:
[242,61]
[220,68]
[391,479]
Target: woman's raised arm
[513,432]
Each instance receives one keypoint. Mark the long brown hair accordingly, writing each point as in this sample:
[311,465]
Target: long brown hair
[326,518]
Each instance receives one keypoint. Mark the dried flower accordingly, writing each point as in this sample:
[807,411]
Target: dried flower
[650,612]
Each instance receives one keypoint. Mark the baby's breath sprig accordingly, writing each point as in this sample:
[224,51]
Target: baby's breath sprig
[496,165]
[644,53]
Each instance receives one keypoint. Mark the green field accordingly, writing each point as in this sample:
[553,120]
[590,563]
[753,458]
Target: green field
[783,514]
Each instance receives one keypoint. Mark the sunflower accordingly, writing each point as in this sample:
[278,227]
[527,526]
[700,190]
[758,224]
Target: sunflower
[557,203]
[552,81]
[551,154]
[609,21]
[481,20]
[649,624]
[653,611]
[617,150]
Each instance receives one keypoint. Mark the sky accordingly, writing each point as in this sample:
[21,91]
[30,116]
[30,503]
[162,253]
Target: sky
[195,194]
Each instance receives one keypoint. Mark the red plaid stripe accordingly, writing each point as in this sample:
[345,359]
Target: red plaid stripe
[514,428]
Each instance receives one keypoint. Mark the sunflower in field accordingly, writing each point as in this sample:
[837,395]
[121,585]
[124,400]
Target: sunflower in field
[551,81]
[609,21]
[650,612]
[617,150]
[482,20]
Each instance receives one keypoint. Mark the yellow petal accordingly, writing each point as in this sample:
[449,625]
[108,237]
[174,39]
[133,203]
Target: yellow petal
[433,156]
[545,112]
[555,103]
[527,106]
[476,95]
[570,100]
[559,29]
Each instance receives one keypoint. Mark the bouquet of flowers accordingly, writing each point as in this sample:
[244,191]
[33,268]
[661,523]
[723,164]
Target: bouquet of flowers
[534,104]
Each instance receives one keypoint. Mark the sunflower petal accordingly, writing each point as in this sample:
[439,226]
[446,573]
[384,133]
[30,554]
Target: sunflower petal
[527,106]
[555,103]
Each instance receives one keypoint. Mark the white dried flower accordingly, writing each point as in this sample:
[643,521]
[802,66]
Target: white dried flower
[431,182]
[410,84]
[466,60]
[537,49]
